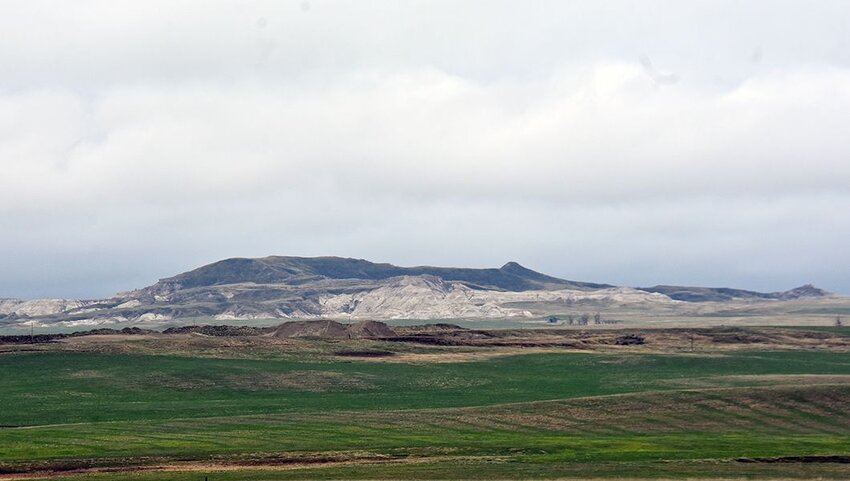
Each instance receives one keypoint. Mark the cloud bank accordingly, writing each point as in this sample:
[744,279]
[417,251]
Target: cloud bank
[137,141]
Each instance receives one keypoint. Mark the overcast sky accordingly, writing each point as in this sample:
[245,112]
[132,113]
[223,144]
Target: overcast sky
[628,142]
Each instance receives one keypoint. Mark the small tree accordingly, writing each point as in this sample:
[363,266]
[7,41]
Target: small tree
[838,322]
[597,318]
[585,318]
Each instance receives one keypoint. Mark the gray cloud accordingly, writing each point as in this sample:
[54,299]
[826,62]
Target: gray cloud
[140,140]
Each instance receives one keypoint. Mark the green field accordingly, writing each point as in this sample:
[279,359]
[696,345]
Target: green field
[554,415]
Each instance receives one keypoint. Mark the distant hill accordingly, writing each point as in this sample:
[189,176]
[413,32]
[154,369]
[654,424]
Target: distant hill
[300,270]
[719,294]
[336,288]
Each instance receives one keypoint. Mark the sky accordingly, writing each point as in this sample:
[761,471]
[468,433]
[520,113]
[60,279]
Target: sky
[627,142]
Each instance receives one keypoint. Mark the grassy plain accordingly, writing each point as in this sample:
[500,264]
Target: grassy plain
[255,410]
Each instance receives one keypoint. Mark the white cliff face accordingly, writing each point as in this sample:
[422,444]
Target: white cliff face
[405,297]
[38,307]
[129,304]
[431,298]
[235,316]
[413,297]
[338,288]
[151,317]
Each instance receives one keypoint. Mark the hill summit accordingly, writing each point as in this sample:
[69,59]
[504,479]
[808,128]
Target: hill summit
[301,270]
[338,288]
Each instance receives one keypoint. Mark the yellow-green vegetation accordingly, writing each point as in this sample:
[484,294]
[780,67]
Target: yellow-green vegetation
[543,415]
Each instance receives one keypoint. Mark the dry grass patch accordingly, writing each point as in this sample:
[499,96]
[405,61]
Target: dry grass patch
[307,381]
[311,381]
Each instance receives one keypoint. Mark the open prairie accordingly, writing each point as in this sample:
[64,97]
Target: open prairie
[431,404]
[431,240]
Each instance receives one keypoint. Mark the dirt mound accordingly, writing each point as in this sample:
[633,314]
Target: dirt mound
[333,329]
[330,329]
[37,339]
[739,338]
[439,327]
[370,329]
[218,331]
[45,338]
[630,340]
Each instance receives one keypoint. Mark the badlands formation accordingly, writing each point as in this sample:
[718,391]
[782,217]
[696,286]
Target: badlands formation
[353,290]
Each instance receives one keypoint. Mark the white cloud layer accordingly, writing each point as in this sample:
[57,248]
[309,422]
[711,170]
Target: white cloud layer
[141,139]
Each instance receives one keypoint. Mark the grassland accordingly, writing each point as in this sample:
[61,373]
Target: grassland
[71,411]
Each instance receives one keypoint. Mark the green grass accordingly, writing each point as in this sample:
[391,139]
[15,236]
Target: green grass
[520,416]
[52,388]
[839,330]
[640,427]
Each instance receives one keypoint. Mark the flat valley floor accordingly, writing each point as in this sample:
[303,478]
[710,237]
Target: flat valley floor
[720,403]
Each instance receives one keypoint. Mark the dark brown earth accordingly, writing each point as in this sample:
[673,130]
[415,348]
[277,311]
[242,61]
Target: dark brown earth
[334,330]
[45,338]
[235,339]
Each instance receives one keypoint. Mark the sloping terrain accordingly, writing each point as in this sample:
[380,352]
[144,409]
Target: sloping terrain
[327,329]
[704,294]
[619,413]
[301,270]
[355,289]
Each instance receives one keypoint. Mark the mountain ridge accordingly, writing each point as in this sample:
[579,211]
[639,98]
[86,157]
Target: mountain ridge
[297,270]
[719,294]
[347,288]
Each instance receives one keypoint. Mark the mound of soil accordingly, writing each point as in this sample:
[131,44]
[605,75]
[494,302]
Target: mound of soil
[630,340]
[428,329]
[465,337]
[323,329]
[217,331]
[742,338]
[370,329]
[133,331]
[45,338]
[334,330]
[37,339]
